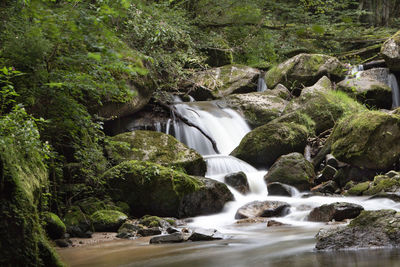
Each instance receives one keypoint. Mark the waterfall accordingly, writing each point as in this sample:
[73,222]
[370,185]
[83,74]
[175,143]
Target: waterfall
[356,71]
[220,164]
[261,86]
[395,90]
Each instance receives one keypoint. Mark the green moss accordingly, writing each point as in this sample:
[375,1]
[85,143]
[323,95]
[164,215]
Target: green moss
[383,185]
[93,204]
[154,221]
[107,220]
[53,225]
[358,189]
[76,218]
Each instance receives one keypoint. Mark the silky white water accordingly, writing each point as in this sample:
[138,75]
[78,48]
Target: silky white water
[395,90]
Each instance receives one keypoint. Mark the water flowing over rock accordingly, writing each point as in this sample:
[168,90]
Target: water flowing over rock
[292,169]
[305,69]
[238,181]
[279,189]
[338,211]
[155,147]
[391,52]
[263,209]
[371,229]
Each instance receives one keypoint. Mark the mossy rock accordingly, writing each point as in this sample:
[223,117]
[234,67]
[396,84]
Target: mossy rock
[218,57]
[367,140]
[53,225]
[77,222]
[155,147]
[259,108]
[368,91]
[358,189]
[108,220]
[305,70]
[391,52]
[299,118]
[150,188]
[223,81]
[155,221]
[292,169]
[263,145]
[92,204]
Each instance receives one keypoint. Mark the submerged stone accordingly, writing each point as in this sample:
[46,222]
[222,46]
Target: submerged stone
[263,209]
[337,211]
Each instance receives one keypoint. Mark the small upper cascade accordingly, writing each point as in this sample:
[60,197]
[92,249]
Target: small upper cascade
[261,86]
[220,164]
[356,71]
[225,126]
[395,90]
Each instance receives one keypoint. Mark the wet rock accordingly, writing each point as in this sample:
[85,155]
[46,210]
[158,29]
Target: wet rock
[170,238]
[279,189]
[272,223]
[328,172]
[218,57]
[332,161]
[108,220]
[54,227]
[391,52]
[264,145]
[371,229]
[77,223]
[305,69]
[263,209]
[292,169]
[252,220]
[149,231]
[329,187]
[62,243]
[205,235]
[336,211]
[155,147]
[238,181]
[171,230]
[392,196]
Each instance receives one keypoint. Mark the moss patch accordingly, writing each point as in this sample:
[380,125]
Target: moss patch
[108,220]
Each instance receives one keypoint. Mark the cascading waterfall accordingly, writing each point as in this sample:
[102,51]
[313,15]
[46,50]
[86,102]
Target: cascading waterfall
[356,71]
[261,85]
[395,90]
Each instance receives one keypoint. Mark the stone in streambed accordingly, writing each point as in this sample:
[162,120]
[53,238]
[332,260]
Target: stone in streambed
[329,187]
[336,211]
[170,238]
[108,220]
[391,52]
[263,209]
[279,189]
[149,231]
[200,234]
[238,181]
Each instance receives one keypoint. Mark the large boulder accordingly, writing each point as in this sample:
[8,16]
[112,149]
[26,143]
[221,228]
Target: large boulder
[368,140]
[78,223]
[368,91]
[391,52]
[259,108]
[150,188]
[223,81]
[107,220]
[279,189]
[263,209]
[337,211]
[371,229]
[263,145]
[55,228]
[155,147]
[305,70]
[292,169]
[238,180]
[388,183]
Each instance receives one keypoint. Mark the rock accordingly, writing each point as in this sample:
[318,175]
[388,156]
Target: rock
[367,140]
[170,238]
[78,224]
[323,85]
[292,169]
[149,231]
[155,147]
[92,204]
[155,221]
[328,173]
[331,161]
[150,188]
[209,199]
[222,81]
[54,227]
[368,91]
[263,145]
[378,74]
[205,235]
[263,209]
[329,187]
[371,229]
[252,220]
[358,189]
[62,243]
[391,52]
[305,69]
[272,223]
[337,211]
[259,108]
[218,57]
[129,229]
[392,196]
[108,220]
[382,184]
[279,189]
[238,181]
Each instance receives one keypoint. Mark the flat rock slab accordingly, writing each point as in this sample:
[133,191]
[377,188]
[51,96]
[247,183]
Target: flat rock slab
[200,234]
[263,209]
[337,211]
[170,238]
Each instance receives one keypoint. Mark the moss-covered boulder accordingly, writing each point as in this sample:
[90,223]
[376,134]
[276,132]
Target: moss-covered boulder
[259,108]
[155,147]
[292,169]
[107,220]
[391,52]
[371,229]
[78,223]
[218,57]
[324,107]
[150,188]
[92,204]
[387,183]
[53,225]
[305,70]
[368,91]
[263,145]
[367,140]
[223,81]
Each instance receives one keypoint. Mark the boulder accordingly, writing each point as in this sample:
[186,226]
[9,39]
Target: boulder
[388,183]
[218,57]
[329,187]
[149,231]
[78,224]
[150,188]
[279,189]
[263,209]
[391,52]
[367,140]
[238,181]
[337,211]
[259,108]
[200,234]
[155,147]
[368,91]
[305,69]
[54,227]
[263,145]
[292,169]
[358,189]
[107,220]
[371,229]
[92,204]
[222,81]
[170,238]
